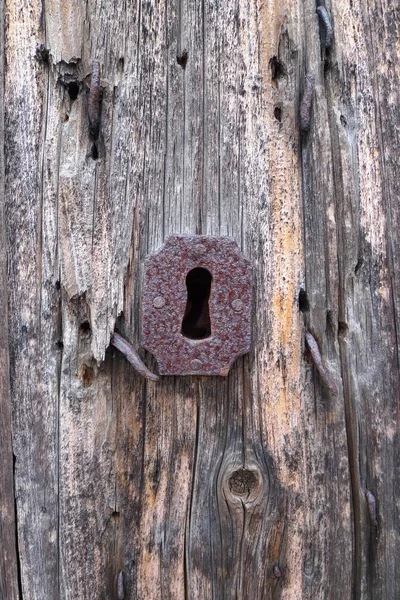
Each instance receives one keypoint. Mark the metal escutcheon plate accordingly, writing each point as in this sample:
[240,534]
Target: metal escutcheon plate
[197,305]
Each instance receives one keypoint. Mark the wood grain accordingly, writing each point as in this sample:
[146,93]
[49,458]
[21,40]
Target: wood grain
[9,559]
[249,487]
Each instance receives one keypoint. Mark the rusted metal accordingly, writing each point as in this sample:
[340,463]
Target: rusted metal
[318,362]
[220,330]
[325,20]
[130,353]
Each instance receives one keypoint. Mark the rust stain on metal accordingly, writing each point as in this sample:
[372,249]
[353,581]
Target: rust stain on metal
[325,20]
[318,362]
[130,353]
[197,305]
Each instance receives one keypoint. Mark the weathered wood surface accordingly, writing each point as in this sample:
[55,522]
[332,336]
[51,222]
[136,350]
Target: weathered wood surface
[246,487]
[8,550]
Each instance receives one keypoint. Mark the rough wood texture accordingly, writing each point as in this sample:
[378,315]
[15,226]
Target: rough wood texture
[8,539]
[248,487]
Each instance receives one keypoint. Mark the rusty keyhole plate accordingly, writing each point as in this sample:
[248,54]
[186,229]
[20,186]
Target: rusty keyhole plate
[169,296]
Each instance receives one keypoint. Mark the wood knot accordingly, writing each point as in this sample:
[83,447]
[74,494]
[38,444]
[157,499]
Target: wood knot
[243,482]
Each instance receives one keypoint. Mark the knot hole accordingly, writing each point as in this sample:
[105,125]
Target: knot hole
[243,482]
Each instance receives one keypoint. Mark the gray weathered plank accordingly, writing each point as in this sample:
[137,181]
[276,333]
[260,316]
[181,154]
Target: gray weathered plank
[33,300]
[8,540]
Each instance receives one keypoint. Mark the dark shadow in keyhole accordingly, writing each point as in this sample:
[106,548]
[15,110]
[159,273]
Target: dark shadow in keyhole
[196,324]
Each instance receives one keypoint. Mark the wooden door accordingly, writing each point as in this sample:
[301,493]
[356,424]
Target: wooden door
[262,484]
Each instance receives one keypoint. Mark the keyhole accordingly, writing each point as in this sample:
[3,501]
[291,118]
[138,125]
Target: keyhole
[196,324]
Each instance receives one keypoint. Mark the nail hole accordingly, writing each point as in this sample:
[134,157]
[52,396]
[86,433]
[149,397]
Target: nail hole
[60,344]
[84,328]
[87,376]
[278,113]
[94,152]
[242,482]
[327,62]
[277,68]
[358,266]
[115,515]
[263,201]
[73,89]
[304,304]
[57,284]
[330,322]
[42,54]
[182,59]
[196,324]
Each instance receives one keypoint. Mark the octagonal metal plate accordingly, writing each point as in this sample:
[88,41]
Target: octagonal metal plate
[164,302]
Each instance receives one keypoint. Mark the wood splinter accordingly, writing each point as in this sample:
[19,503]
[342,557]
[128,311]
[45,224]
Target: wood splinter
[130,354]
[371,504]
[305,105]
[317,359]
[94,102]
[325,20]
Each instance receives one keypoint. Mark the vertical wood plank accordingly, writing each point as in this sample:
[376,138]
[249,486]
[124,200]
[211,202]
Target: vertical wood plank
[327,471]
[8,532]
[168,409]
[33,301]
[364,139]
